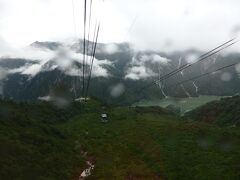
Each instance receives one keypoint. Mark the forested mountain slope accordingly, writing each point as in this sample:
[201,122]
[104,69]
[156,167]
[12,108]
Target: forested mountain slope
[41,141]
[223,112]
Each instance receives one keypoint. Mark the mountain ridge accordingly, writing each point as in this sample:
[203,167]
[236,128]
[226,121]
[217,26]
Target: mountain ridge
[119,64]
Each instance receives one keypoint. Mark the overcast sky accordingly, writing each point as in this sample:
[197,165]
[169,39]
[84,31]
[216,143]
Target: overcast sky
[148,24]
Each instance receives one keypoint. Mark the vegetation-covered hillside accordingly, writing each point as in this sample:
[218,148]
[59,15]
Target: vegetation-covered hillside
[223,112]
[39,141]
[31,146]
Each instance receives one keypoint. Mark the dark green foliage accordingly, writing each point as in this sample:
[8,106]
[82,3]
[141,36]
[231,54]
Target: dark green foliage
[31,144]
[40,141]
[223,112]
[151,143]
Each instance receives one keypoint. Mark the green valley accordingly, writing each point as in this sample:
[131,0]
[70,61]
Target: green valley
[39,141]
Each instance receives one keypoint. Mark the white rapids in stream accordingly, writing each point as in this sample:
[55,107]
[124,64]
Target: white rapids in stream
[87,172]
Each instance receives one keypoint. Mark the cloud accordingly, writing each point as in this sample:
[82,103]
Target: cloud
[28,53]
[32,70]
[63,58]
[192,57]
[4,46]
[155,58]
[66,63]
[235,31]
[141,66]
[45,98]
[150,58]
[185,23]
[111,48]
[139,72]
[98,69]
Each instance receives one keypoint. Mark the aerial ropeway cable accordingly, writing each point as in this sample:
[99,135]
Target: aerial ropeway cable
[89,30]
[84,47]
[205,74]
[92,59]
[201,75]
[93,50]
[86,66]
[200,59]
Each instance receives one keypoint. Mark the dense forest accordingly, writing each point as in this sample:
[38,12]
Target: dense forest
[41,141]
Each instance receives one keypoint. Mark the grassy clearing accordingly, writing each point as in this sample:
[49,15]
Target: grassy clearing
[184,104]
